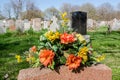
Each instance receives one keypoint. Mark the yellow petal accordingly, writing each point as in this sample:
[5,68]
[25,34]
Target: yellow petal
[100,58]
[64,14]
[85,58]
[80,37]
[28,59]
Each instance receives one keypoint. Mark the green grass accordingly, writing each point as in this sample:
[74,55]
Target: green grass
[10,45]
[16,43]
[109,44]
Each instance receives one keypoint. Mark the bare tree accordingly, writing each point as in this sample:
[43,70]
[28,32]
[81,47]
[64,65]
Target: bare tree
[31,11]
[30,5]
[117,13]
[66,8]
[75,8]
[17,6]
[105,11]
[8,10]
[49,12]
[118,6]
[1,16]
[90,9]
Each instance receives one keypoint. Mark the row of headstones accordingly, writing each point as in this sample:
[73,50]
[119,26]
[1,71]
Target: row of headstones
[23,25]
[113,24]
[37,24]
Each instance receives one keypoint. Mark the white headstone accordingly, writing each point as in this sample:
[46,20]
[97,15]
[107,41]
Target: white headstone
[19,25]
[7,24]
[54,26]
[2,30]
[46,24]
[11,23]
[2,27]
[1,23]
[90,23]
[102,23]
[69,23]
[25,20]
[27,26]
[116,25]
[36,24]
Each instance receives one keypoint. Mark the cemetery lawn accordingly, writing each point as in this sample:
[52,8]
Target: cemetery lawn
[10,45]
[16,43]
[109,44]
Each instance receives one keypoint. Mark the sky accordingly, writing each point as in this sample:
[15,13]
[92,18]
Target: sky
[44,4]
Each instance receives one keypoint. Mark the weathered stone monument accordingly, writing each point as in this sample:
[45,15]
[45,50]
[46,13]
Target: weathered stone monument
[46,24]
[1,23]
[79,21]
[36,24]
[98,72]
[102,23]
[91,23]
[27,26]
[2,27]
[11,25]
[19,25]
[2,30]
[54,26]
[115,25]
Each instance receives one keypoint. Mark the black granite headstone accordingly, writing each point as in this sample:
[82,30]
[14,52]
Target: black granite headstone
[79,20]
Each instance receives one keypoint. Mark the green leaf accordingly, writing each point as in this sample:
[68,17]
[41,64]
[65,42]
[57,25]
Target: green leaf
[62,60]
[83,62]
[36,64]
[52,66]
[73,51]
[42,38]
[41,43]
[55,48]
[48,45]
[37,53]
[75,46]
[40,47]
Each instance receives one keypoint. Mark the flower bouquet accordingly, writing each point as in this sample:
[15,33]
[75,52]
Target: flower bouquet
[62,47]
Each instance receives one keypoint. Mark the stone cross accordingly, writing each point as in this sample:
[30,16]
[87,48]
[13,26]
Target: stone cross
[54,26]
[45,23]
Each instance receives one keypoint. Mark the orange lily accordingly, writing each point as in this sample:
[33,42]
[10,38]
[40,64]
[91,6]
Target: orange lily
[67,38]
[46,57]
[73,62]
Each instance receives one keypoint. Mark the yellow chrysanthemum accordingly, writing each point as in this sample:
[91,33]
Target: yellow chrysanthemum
[64,18]
[63,24]
[100,58]
[64,15]
[83,53]
[80,37]
[18,57]
[27,59]
[57,34]
[52,35]
[30,59]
